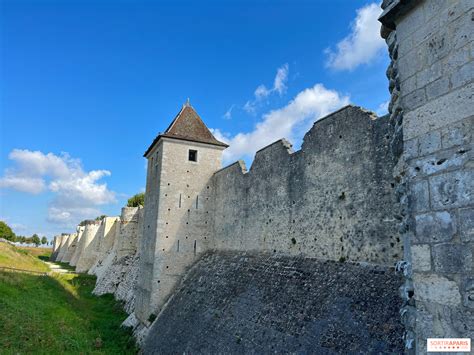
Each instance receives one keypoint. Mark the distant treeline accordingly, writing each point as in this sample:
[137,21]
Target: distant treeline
[7,233]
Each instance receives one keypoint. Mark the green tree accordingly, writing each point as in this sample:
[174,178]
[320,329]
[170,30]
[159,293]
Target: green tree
[99,218]
[136,200]
[35,239]
[6,232]
[44,241]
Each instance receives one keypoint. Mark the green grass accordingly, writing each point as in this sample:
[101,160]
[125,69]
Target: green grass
[22,258]
[59,315]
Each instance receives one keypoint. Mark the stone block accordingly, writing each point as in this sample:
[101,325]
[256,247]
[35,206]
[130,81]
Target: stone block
[466,224]
[434,227]
[463,75]
[409,85]
[462,30]
[411,23]
[430,143]
[429,74]
[441,161]
[468,292]
[439,113]
[421,257]
[411,148]
[435,288]
[453,12]
[463,322]
[452,258]
[419,196]
[414,99]
[456,59]
[437,88]
[452,189]
[457,134]
[437,46]
[409,65]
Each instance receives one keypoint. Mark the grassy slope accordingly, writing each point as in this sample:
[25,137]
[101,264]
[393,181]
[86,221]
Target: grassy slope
[19,258]
[57,315]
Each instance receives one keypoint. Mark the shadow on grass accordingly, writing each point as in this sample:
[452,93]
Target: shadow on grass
[59,314]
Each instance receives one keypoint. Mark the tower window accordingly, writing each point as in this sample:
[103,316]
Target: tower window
[193,155]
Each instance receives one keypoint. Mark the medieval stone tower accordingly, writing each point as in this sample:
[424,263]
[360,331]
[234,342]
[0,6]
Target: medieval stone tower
[177,221]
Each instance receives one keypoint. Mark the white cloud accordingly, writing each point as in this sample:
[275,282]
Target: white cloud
[279,84]
[290,121]
[77,193]
[262,92]
[228,114]
[362,45]
[382,109]
[23,183]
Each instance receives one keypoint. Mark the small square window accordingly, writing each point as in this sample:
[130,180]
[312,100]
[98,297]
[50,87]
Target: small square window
[193,155]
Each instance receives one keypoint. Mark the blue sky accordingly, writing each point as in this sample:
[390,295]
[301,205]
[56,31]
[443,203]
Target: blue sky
[86,86]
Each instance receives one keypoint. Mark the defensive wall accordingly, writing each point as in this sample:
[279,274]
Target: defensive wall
[431,45]
[362,194]
[330,200]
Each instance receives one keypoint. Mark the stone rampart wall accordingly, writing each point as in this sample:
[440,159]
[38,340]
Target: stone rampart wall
[332,199]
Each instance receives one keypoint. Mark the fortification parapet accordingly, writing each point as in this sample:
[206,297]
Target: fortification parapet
[56,244]
[118,272]
[61,249]
[72,242]
[67,244]
[128,231]
[106,236]
[88,246]
[77,245]
[310,202]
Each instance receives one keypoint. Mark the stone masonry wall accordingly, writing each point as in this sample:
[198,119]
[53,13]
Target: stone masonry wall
[177,219]
[77,250]
[118,272]
[333,199]
[434,61]
[105,240]
[69,248]
[247,303]
[87,246]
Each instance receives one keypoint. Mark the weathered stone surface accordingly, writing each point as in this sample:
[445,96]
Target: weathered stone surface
[452,189]
[466,224]
[438,289]
[419,196]
[452,258]
[468,292]
[434,227]
[255,303]
[421,257]
[441,161]
[439,113]
[315,202]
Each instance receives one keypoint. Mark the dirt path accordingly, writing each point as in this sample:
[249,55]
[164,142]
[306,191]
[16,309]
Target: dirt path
[57,268]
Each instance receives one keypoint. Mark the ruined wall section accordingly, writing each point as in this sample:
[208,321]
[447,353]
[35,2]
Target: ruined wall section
[333,199]
[434,62]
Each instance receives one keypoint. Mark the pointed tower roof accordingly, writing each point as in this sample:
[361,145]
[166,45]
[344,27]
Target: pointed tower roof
[188,126]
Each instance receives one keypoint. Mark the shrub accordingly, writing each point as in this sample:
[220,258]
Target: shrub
[136,200]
